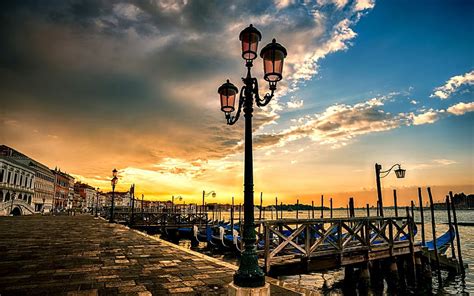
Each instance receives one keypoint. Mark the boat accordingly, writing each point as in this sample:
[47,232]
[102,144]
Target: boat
[442,242]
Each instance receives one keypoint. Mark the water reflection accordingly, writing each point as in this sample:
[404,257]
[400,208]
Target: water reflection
[331,282]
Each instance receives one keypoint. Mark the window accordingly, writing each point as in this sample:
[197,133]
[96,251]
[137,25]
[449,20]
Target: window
[14,180]
[21,180]
[1,175]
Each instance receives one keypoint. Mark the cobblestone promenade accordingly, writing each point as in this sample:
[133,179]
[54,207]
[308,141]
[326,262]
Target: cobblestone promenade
[80,255]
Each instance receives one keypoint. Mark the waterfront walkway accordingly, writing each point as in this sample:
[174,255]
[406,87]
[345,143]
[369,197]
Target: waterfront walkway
[80,255]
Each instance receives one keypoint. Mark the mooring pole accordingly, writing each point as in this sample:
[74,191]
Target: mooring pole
[412,205]
[322,206]
[433,227]
[312,209]
[232,217]
[297,208]
[276,207]
[368,211]
[395,202]
[422,217]
[330,205]
[351,207]
[281,210]
[458,236]
[260,212]
[448,208]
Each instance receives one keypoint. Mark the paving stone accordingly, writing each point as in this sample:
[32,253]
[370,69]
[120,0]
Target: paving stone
[81,256]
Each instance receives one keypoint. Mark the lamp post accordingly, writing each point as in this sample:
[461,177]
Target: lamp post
[132,198]
[204,195]
[400,173]
[97,203]
[179,197]
[249,273]
[113,182]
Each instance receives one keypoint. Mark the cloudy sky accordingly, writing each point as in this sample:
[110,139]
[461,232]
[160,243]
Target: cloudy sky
[91,85]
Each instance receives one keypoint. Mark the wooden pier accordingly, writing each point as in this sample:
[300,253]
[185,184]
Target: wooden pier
[321,244]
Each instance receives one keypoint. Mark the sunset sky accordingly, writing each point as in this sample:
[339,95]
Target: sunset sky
[89,86]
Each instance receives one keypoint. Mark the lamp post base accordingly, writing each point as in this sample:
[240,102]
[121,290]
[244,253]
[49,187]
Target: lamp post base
[235,290]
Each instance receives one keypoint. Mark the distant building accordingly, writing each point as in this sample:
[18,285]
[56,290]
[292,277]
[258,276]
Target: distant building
[121,199]
[16,187]
[63,190]
[87,195]
[43,181]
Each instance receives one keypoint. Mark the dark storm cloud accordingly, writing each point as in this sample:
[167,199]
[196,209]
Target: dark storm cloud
[136,77]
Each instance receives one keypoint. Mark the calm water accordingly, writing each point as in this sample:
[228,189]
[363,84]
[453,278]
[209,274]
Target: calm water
[331,282]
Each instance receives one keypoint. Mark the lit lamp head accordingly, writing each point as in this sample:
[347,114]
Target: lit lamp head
[400,173]
[213,194]
[250,38]
[227,93]
[114,179]
[273,55]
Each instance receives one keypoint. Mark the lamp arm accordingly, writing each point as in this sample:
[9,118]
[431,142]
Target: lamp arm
[231,120]
[209,193]
[266,99]
[388,171]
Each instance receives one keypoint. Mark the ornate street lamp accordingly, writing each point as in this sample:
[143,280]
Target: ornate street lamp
[249,273]
[204,195]
[97,203]
[113,182]
[132,203]
[400,173]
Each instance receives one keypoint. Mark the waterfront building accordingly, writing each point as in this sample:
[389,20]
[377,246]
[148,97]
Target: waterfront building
[43,181]
[87,196]
[16,187]
[63,190]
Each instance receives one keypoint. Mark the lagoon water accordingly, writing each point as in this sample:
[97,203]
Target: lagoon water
[331,282]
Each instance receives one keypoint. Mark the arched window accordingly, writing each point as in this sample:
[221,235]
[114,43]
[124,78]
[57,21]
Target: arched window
[29,199]
[21,180]
[9,177]
[1,175]
[7,196]
[1,195]
[14,180]
[19,196]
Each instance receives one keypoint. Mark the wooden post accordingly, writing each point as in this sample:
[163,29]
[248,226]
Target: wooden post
[322,206]
[433,227]
[448,208]
[297,208]
[260,212]
[378,208]
[368,211]
[330,205]
[312,208]
[422,217]
[413,210]
[232,216]
[458,237]
[281,210]
[276,207]
[395,202]
[351,207]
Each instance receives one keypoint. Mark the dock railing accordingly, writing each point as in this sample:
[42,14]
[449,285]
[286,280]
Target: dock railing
[348,240]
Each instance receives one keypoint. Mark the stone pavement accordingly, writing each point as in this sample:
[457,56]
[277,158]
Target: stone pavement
[80,255]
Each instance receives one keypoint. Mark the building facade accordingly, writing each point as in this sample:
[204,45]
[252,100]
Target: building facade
[43,181]
[16,187]
[63,197]
[87,195]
